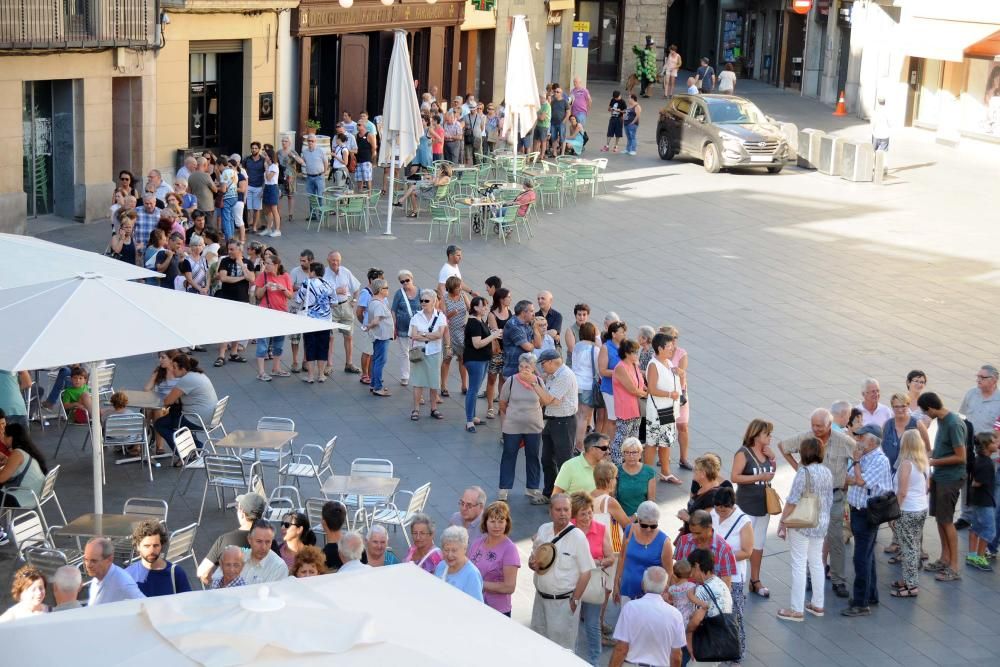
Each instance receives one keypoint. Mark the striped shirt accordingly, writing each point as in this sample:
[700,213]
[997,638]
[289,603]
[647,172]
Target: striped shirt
[315,295]
[145,223]
[722,553]
[877,474]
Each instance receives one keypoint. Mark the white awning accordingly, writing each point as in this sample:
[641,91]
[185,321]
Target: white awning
[937,39]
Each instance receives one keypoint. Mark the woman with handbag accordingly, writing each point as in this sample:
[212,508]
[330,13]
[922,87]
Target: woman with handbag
[753,469]
[428,327]
[711,632]
[736,529]
[661,406]
[804,523]
[478,344]
[599,539]
[629,387]
[911,491]
[584,357]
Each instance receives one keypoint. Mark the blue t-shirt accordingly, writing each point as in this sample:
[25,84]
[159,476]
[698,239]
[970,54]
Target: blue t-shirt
[613,360]
[255,172]
[515,334]
[468,579]
[153,583]
[364,298]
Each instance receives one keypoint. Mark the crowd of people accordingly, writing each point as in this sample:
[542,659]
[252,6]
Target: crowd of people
[596,414]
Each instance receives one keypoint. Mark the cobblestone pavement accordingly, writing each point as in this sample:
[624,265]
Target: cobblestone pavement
[788,291]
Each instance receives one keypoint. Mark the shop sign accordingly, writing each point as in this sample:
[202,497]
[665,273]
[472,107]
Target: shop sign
[333,19]
[801,6]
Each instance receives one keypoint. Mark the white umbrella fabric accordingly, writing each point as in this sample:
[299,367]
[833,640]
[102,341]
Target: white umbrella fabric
[401,120]
[89,317]
[28,260]
[521,87]
[393,602]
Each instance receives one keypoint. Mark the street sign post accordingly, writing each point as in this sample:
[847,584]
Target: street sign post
[580,50]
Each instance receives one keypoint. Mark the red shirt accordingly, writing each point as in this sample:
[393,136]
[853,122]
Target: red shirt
[274,299]
[725,561]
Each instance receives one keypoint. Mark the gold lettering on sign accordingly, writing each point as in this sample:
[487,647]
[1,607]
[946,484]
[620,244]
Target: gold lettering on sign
[369,16]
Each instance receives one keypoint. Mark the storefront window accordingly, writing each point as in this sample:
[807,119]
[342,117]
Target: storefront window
[981,100]
[929,106]
[732,37]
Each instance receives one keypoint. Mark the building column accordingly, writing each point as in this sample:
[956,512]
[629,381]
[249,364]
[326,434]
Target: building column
[13,200]
[92,149]
[305,50]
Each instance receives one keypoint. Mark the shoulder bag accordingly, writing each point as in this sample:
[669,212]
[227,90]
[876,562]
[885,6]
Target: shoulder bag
[772,501]
[883,508]
[596,396]
[417,354]
[716,639]
[806,512]
[663,415]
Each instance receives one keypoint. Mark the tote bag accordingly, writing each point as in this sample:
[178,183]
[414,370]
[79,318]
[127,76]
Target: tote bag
[716,639]
[806,512]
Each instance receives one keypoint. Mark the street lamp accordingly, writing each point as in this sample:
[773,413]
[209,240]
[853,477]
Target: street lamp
[346,4]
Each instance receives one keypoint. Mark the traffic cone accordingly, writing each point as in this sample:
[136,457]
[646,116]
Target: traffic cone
[841,109]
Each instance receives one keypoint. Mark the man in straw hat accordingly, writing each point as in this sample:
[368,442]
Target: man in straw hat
[559,585]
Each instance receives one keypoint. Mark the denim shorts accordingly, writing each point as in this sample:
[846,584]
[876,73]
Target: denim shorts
[586,397]
[984,522]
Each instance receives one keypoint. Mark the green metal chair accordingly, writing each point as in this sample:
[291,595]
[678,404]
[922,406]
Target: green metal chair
[505,223]
[569,184]
[547,187]
[586,176]
[444,215]
[371,208]
[320,208]
[351,208]
[467,180]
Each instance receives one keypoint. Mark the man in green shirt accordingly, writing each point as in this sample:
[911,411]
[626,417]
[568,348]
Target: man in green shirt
[541,137]
[948,461]
[577,474]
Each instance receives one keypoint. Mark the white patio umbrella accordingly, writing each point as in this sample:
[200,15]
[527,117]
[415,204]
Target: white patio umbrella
[521,88]
[401,120]
[385,616]
[28,260]
[89,318]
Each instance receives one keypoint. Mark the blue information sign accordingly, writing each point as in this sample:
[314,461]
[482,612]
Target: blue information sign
[581,40]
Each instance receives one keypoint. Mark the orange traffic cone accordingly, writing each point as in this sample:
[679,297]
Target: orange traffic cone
[841,109]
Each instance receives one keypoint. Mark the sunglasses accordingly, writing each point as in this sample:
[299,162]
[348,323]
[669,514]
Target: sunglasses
[404,281]
[649,526]
[603,448]
[425,301]
[288,524]
[124,178]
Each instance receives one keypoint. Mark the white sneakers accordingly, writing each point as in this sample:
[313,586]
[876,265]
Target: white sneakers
[502,495]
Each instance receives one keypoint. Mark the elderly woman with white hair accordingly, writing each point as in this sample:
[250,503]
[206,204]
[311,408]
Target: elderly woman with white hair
[423,553]
[645,546]
[428,327]
[456,569]
[521,414]
[377,547]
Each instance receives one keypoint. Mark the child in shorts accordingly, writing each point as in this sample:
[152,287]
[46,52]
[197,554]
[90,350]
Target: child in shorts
[982,503]
[616,108]
[680,594]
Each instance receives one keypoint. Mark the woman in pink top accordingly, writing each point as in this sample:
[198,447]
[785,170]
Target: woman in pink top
[496,557]
[599,539]
[423,553]
[272,287]
[628,385]
[680,362]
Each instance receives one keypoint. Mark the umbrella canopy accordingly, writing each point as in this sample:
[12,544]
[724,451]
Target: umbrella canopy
[521,88]
[391,615]
[89,317]
[401,120]
[29,260]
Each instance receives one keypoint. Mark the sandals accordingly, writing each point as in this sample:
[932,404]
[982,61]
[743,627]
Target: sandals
[219,362]
[365,379]
[415,416]
[350,368]
[669,479]
[380,392]
[905,592]
[280,373]
[263,377]
[411,215]
[238,358]
[891,549]
[444,393]
[815,611]
[470,429]
[897,585]
[947,574]
[436,415]
[756,587]
[295,369]
[895,560]
[308,380]
[491,414]
[684,464]
[789,615]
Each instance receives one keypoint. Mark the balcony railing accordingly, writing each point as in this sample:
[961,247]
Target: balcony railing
[77,24]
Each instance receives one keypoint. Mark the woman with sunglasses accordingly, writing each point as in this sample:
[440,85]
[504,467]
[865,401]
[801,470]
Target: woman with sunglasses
[295,535]
[645,546]
[427,329]
[405,302]
[125,185]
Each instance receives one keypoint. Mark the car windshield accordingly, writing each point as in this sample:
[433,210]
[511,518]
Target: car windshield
[734,112]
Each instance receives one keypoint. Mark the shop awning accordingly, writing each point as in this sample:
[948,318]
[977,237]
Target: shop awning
[937,39]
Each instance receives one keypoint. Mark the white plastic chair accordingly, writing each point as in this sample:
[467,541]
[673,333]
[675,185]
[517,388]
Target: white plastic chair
[391,515]
[215,426]
[187,450]
[281,500]
[222,472]
[27,529]
[314,510]
[48,493]
[46,559]
[312,462]
[364,467]
[127,430]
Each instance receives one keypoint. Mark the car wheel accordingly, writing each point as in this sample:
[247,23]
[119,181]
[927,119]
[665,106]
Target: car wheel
[775,170]
[664,147]
[710,158]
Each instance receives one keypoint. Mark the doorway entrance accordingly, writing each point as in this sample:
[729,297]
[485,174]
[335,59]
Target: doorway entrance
[605,53]
[47,114]
[215,110]
[794,49]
